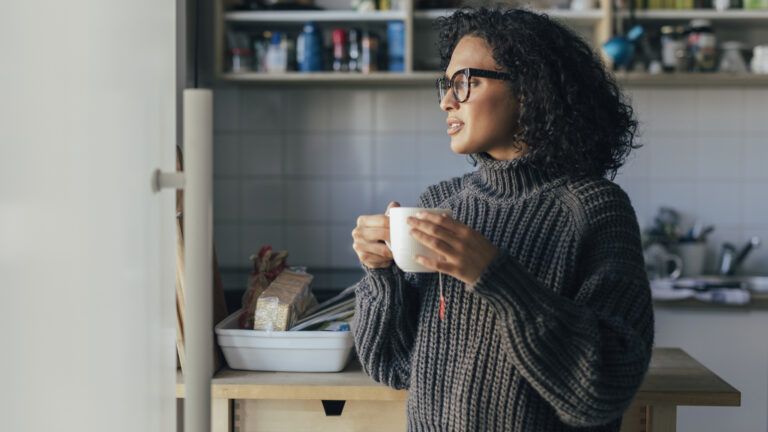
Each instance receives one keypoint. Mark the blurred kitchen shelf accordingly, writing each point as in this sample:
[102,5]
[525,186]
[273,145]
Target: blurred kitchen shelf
[733,16]
[343,78]
[317,16]
[585,17]
[638,79]
[427,78]
[596,24]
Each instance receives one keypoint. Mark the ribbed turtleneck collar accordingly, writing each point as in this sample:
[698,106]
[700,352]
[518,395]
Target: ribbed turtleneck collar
[510,178]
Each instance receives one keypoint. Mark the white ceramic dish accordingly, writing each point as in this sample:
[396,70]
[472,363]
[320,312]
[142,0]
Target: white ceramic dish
[284,351]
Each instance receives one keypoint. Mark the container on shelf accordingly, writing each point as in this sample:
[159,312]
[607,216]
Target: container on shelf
[242,59]
[731,60]
[396,45]
[277,54]
[702,45]
[283,351]
[671,44]
[309,49]
[759,63]
[340,50]
[370,53]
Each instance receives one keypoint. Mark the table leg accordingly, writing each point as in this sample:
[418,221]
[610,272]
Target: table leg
[662,418]
[221,415]
[634,419]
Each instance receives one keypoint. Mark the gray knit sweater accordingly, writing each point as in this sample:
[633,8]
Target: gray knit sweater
[555,335]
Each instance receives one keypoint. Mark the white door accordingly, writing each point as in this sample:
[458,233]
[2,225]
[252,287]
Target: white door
[87,112]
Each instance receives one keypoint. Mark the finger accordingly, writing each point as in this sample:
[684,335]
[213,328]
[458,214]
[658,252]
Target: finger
[434,230]
[436,265]
[392,204]
[378,249]
[374,221]
[371,234]
[375,263]
[445,221]
[435,244]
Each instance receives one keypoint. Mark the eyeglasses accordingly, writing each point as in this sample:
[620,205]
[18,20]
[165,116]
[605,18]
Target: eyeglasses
[459,82]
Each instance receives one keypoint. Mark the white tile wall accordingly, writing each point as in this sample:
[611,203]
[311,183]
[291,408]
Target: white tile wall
[260,154]
[294,168]
[706,154]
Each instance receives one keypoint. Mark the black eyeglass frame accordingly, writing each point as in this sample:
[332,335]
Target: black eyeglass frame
[469,73]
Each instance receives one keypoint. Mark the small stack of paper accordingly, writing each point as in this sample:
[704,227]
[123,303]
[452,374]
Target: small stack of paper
[331,314]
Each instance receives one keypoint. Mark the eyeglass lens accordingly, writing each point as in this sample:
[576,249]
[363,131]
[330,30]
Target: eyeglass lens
[459,86]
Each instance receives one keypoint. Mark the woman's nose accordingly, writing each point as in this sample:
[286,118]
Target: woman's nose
[448,102]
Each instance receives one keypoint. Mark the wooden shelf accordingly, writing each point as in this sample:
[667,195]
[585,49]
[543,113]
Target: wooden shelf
[323,78]
[586,17]
[317,16]
[689,14]
[427,78]
[635,79]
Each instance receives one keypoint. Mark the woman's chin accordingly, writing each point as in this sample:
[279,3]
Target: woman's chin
[460,147]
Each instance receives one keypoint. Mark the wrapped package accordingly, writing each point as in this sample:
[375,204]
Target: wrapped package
[281,304]
[267,265]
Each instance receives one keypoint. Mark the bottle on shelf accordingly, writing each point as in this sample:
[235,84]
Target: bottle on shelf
[369,54]
[240,56]
[309,49]
[340,56]
[671,44]
[702,45]
[354,50]
[277,54]
[396,46]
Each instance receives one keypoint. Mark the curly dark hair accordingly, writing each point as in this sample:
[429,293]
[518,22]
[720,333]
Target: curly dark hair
[573,116]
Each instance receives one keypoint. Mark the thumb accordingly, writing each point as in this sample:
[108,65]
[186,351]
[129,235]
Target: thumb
[391,205]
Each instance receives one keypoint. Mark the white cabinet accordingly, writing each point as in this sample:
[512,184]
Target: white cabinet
[733,343]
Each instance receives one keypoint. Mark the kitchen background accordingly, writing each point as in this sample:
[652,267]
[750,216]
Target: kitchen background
[295,167]
[295,164]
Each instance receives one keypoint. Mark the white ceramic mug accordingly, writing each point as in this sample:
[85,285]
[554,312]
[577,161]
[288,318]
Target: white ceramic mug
[660,263]
[403,245]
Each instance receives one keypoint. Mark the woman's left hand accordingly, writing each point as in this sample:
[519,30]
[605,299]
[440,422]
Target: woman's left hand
[465,252]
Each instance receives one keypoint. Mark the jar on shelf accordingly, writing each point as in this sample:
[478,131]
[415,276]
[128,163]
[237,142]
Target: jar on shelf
[671,43]
[242,60]
[759,63]
[731,60]
[702,45]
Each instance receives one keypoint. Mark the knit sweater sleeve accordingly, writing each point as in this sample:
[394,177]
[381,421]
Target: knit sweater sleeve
[586,355]
[387,304]
[386,313]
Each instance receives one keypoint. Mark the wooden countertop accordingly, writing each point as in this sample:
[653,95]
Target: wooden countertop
[673,378]
[758,301]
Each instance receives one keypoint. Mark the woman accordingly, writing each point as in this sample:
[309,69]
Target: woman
[548,321]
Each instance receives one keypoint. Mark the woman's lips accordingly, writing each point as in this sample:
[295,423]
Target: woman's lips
[454,126]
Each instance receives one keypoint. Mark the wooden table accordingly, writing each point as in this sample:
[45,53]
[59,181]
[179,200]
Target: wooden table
[290,401]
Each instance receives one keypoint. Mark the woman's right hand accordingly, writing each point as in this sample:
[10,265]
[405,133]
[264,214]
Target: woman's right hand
[368,239]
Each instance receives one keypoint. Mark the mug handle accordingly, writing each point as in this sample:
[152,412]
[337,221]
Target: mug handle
[389,246]
[678,266]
